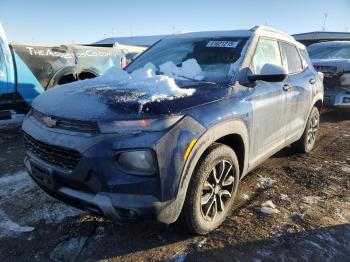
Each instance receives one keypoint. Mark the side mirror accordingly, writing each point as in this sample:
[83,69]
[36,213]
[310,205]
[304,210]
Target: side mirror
[270,73]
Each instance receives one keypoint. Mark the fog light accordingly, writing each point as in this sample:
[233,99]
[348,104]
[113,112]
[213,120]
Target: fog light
[346,100]
[140,162]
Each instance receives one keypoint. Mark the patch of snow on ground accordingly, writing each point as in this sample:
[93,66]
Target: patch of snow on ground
[265,182]
[284,197]
[12,184]
[341,213]
[246,196]
[269,208]
[69,250]
[53,211]
[16,119]
[345,169]
[21,185]
[201,242]
[269,211]
[7,226]
[311,200]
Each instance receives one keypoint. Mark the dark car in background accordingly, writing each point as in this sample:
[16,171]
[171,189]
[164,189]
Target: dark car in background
[174,133]
[333,60]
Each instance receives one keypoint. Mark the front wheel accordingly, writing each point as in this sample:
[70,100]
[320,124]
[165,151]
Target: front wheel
[307,142]
[212,190]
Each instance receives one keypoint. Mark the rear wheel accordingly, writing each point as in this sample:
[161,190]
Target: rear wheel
[307,142]
[212,190]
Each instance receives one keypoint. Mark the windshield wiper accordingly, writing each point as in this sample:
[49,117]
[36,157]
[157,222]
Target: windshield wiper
[189,78]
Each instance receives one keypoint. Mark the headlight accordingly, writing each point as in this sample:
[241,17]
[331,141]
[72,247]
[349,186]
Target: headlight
[132,126]
[139,162]
[345,79]
[346,100]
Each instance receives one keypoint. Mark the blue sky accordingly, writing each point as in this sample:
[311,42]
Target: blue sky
[86,21]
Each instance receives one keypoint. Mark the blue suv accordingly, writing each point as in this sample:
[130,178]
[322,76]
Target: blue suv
[125,149]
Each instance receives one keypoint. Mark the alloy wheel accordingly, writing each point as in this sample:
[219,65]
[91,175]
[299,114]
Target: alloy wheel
[312,131]
[217,190]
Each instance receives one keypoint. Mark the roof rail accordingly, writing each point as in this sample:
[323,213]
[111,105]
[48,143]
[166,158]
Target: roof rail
[270,29]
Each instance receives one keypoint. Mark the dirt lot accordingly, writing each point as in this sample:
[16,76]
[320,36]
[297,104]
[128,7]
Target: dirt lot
[312,193]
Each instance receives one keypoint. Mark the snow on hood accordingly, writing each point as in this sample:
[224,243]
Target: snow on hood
[122,92]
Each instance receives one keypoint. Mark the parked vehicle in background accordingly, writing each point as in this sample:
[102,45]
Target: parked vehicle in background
[333,60]
[321,36]
[174,133]
[27,70]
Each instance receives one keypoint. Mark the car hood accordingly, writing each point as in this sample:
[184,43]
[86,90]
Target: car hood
[108,100]
[331,65]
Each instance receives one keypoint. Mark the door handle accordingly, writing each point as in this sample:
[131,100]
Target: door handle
[286,87]
[312,81]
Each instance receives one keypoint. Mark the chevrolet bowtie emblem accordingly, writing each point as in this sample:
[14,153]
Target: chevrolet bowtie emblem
[49,122]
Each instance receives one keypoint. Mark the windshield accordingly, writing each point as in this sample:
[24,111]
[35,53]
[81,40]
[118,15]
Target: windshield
[214,55]
[329,51]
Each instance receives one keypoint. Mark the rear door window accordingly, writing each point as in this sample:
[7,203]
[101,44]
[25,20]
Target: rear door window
[266,52]
[291,58]
[305,58]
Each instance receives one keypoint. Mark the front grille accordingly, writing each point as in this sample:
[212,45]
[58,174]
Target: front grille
[69,124]
[58,156]
[331,81]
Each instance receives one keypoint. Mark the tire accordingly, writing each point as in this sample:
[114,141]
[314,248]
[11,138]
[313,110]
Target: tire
[307,142]
[205,186]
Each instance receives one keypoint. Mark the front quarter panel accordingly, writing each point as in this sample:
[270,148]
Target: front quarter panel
[171,149]
[171,212]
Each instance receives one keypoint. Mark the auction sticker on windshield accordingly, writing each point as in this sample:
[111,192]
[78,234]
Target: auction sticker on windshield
[224,44]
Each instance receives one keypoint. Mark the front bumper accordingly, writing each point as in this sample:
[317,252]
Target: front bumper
[96,185]
[111,205]
[337,98]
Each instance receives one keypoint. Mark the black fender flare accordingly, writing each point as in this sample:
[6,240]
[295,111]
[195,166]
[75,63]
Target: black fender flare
[172,211]
[315,99]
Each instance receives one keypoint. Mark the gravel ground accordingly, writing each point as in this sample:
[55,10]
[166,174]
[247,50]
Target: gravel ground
[311,193]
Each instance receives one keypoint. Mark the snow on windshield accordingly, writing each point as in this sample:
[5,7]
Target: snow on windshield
[157,87]
[189,69]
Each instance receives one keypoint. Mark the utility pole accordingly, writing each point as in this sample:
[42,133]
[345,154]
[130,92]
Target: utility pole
[324,21]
